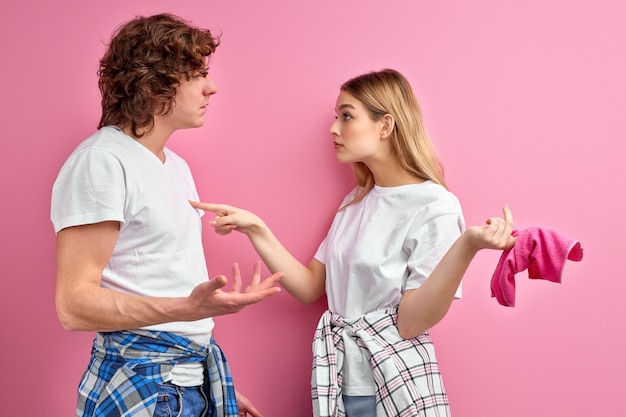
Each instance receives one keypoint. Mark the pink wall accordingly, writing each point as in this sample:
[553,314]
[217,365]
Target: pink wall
[525,101]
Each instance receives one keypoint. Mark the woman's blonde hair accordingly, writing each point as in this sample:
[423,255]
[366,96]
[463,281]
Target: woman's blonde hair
[388,92]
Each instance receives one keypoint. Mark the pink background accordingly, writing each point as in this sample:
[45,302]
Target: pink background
[524,100]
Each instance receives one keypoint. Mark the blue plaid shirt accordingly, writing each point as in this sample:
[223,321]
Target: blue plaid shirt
[127,368]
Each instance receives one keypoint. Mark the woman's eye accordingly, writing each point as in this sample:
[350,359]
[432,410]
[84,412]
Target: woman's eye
[346,116]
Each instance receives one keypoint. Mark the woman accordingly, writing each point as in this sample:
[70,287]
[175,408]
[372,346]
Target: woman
[391,263]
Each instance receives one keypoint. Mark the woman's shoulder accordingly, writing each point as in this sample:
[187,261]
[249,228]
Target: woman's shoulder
[424,193]
[439,194]
[430,200]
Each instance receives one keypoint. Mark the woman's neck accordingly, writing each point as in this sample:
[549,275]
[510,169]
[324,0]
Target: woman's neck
[393,175]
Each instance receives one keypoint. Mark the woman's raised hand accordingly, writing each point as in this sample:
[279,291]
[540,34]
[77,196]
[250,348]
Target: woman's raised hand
[229,218]
[496,234]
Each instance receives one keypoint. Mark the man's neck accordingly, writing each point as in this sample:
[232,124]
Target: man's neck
[154,141]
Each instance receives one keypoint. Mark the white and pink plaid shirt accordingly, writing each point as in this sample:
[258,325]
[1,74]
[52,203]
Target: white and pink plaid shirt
[406,372]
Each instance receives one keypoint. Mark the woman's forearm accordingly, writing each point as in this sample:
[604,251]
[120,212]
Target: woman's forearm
[425,306]
[306,283]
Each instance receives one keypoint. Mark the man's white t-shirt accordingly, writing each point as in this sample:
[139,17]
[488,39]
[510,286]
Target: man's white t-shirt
[376,249]
[159,251]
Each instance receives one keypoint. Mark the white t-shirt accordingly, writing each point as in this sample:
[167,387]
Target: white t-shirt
[159,251]
[376,249]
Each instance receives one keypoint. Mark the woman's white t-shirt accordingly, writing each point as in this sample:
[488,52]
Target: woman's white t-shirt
[381,246]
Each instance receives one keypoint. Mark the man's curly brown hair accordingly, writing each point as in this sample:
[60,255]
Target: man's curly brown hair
[143,66]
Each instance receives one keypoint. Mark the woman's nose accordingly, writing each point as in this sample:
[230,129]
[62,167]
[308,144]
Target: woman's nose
[333,129]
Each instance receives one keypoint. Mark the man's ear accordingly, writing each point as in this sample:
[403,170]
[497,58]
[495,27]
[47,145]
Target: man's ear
[388,125]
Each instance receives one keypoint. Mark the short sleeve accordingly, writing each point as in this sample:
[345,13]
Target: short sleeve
[321,252]
[427,245]
[90,188]
[320,255]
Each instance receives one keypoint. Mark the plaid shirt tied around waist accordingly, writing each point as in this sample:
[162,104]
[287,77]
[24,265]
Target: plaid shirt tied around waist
[127,368]
[406,372]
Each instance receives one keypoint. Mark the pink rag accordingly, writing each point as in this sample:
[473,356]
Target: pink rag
[542,251]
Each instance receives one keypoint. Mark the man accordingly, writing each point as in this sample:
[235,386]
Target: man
[130,261]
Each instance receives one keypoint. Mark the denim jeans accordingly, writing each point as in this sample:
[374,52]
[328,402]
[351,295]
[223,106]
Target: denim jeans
[175,401]
[359,406]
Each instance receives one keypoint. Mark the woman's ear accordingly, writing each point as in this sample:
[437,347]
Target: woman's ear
[388,125]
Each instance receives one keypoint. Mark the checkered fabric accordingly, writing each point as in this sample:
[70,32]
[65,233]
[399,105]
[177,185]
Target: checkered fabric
[127,368]
[406,372]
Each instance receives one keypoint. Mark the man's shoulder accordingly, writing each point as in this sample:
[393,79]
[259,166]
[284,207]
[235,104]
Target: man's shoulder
[106,138]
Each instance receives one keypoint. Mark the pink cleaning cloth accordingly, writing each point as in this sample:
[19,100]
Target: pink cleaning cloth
[542,251]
